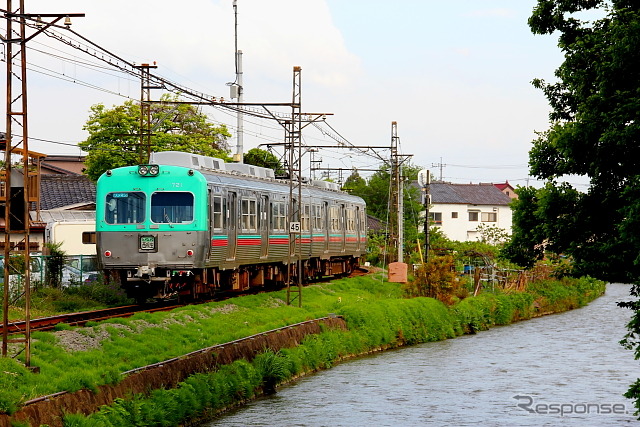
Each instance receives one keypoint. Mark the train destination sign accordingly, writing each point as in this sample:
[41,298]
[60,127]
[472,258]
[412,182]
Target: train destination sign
[147,243]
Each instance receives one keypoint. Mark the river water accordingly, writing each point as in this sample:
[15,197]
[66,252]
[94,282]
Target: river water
[564,369]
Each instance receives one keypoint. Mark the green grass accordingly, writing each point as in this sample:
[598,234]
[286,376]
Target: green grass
[376,314]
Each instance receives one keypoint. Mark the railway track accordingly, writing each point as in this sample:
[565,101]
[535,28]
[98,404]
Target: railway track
[81,318]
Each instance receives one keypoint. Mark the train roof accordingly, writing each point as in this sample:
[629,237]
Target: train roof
[276,186]
[216,170]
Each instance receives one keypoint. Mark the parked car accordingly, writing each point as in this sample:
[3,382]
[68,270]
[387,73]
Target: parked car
[79,270]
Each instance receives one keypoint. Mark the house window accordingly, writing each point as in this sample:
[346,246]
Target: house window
[489,217]
[89,237]
[435,218]
[473,215]
[454,214]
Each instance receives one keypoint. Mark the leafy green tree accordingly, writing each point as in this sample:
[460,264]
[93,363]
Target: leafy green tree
[265,159]
[355,184]
[594,132]
[113,140]
[376,193]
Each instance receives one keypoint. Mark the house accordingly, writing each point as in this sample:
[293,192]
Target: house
[458,209]
[62,164]
[58,187]
[507,189]
[376,226]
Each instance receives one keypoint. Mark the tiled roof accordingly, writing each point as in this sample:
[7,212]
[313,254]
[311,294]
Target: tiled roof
[57,191]
[375,225]
[471,194]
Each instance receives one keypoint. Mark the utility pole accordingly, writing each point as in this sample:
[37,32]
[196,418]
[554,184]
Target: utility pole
[293,141]
[394,189]
[16,198]
[237,91]
[439,165]
[396,217]
[424,180]
[313,162]
[144,150]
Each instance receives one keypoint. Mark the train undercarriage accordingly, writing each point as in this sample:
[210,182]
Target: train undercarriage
[160,283]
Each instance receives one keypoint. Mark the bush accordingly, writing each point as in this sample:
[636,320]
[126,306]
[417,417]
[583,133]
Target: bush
[108,293]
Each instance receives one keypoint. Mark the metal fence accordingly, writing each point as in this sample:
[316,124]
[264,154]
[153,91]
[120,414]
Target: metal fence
[48,271]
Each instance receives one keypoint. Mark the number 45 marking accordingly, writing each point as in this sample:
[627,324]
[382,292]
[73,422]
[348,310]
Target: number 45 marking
[294,227]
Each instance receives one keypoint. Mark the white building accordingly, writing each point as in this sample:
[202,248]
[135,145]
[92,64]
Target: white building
[458,209]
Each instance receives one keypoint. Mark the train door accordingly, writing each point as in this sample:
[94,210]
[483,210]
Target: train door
[343,226]
[219,237]
[358,229]
[327,225]
[264,226]
[232,224]
[209,195]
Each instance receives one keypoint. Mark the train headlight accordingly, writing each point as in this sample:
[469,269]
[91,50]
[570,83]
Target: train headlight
[107,254]
[190,252]
[148,170]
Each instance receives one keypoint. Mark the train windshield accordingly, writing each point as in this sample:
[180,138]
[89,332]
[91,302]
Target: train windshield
[125,207]
[171,207]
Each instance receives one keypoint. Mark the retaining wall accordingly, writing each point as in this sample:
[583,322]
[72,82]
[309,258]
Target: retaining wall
[167,374]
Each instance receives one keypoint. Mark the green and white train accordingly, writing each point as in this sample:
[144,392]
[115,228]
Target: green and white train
[189,225]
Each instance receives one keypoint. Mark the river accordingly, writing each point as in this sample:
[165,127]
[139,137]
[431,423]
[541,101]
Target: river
[564,369]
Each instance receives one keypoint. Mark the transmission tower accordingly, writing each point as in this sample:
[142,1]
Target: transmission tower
[293,147]
[396,210]
[20,187]
[144,149]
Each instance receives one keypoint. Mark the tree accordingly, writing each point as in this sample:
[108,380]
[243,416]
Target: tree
[355,184]
[265,159]
[376,193]
[114,142]
[594,132]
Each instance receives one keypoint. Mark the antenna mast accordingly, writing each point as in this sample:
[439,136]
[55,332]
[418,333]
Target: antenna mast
[237,91]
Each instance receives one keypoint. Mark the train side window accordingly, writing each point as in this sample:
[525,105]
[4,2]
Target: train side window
[334,214]
[316,212]
[278,216]
[217,212]
[171,207]
[125,207]
[249,214]
[306,217]
[351,220]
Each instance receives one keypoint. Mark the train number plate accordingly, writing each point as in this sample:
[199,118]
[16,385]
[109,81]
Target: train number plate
[147,243]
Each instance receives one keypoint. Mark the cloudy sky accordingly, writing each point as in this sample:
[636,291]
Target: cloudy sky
[455,76]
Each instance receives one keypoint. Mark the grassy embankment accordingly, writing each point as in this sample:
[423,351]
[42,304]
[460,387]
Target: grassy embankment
[376,313]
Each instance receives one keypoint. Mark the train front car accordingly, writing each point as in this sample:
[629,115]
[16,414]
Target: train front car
[152,228]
